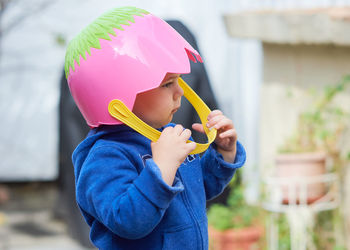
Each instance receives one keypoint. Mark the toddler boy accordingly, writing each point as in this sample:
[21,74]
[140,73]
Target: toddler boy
[134,193]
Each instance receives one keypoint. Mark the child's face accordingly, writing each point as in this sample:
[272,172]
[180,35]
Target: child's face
[156,107]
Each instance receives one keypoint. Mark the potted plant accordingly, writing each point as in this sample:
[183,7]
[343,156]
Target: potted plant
[318,136]
[235,225]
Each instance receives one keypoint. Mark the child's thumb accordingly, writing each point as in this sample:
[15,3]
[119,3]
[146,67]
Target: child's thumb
[191,146]
[198,127]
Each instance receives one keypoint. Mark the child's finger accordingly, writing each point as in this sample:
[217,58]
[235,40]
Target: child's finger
[214,113]
[178,129]
[229,133]
[186,134]
[214,120]
[190,146]
[198,127]
[225,122]
[166,131]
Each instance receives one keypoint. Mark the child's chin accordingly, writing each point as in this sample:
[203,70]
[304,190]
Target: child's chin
[164,124]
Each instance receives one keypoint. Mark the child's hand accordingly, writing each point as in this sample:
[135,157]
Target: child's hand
[171,150]
[226,137]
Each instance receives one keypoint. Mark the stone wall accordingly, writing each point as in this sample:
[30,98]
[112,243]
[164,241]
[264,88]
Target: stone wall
[290,71]
[302,49]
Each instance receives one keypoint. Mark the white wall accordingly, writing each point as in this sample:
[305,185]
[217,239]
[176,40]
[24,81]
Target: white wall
[31,65]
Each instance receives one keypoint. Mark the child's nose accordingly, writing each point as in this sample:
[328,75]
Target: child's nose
[178,91]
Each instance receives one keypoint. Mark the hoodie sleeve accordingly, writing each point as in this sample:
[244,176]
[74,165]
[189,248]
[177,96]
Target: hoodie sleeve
[111,190]
[217,173]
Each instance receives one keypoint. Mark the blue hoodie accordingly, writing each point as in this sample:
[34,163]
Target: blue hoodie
[123,198]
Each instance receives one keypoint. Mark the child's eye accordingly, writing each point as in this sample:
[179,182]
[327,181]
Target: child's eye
[167,85]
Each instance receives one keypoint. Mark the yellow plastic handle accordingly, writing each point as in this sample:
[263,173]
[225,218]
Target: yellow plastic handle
[120,111]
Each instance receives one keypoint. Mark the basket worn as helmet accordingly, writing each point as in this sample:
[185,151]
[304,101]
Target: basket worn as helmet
[124,52]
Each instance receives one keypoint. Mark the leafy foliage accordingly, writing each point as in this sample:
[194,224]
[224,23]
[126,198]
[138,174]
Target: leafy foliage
[236,214]
[321,125]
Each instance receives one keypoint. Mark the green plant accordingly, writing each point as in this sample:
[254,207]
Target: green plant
[284,240]
[236,213]
[322,124]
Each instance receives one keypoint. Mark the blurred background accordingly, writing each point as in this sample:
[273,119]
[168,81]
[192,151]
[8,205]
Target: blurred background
[278,68]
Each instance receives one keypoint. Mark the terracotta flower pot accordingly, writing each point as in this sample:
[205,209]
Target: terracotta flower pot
[297,168]
[237,239]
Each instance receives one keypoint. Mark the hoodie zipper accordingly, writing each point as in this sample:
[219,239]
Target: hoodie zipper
[191,213]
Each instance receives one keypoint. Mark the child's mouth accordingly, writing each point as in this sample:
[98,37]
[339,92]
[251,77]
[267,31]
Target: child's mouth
[175,110]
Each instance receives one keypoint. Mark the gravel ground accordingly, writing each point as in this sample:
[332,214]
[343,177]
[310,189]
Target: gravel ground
[28,220]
